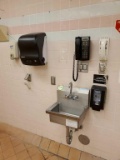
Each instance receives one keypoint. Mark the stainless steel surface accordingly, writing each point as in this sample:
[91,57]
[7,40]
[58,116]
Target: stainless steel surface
[64,110]
[69,135]
[69,96]
[70,86]
[75,97]
[68,109]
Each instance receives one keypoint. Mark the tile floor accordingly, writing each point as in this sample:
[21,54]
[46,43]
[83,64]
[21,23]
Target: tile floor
[38,148]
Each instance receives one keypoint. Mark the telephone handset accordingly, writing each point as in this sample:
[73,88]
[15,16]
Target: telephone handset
[77,48]
[82,52]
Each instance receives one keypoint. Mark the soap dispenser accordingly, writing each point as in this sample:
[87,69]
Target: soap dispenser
[98,96]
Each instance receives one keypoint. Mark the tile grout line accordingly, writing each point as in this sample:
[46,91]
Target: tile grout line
[23,142]
[53,154]
[80,155]
[13,149]
[69,152]
[58,149]
[1,150]
[49,144]
[11,135]
[40,141]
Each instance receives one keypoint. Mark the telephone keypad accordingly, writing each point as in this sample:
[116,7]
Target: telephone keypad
[85,49]
[82,48]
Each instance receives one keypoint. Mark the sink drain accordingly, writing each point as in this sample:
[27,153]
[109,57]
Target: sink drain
[84,139]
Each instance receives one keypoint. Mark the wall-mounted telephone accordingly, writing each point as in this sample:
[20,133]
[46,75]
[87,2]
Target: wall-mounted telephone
[82,52]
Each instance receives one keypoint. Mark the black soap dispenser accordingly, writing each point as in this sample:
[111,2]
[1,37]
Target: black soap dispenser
[98,95]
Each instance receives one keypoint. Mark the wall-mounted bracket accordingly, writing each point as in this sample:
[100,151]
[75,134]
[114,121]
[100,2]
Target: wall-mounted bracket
[83,67]
[13,51]
[102,67]
[28,77]
[103,54]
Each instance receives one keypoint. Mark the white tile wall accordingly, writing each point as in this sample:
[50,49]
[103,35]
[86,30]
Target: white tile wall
[109,8]
[26,108]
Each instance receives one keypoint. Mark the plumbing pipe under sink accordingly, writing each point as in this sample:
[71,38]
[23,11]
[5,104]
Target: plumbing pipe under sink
[69,135]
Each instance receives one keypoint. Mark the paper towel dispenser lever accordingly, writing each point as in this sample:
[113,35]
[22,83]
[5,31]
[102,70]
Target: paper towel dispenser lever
[33,49]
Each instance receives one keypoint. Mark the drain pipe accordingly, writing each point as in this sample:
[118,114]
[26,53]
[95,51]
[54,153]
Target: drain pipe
[69,133]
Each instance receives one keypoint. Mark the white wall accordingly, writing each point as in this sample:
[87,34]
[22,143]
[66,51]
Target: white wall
[26,108]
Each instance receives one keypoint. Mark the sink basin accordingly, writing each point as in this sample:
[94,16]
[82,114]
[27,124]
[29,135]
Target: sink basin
[59,108]
[69,112]
[65,111]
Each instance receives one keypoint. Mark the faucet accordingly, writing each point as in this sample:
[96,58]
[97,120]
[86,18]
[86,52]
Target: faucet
[70,95]
[70,86]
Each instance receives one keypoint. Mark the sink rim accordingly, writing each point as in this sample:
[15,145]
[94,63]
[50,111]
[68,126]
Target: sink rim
[64,114]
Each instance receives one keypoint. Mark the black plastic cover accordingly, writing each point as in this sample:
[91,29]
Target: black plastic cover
[98,95]
[31,49]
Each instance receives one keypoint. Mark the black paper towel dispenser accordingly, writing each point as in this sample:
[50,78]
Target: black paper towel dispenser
[33,49]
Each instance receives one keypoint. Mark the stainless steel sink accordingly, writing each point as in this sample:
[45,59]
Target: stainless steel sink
[69,111]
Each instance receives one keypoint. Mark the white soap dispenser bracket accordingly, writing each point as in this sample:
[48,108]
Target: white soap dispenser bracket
[13,51]
[103,54]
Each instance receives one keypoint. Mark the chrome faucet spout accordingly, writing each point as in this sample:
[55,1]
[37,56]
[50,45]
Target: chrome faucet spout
[71,95]
[70,86]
